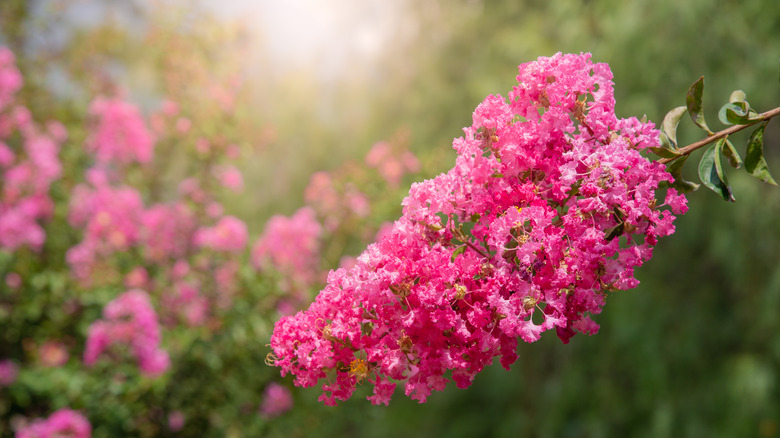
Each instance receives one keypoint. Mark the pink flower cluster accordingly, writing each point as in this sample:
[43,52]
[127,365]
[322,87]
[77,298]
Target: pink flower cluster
[62,423]
[291,246]
[229,235]
[550,206]
[28,165]
[119,135]
[129,320]
[337,203]
[276,401]
[391,162]
[9,370]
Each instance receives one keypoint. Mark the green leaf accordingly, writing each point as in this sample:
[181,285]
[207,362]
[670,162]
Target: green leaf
[711,171]
[737,96]
[730,152]
[675,169]
[671,120]
[755,164]
[737,113]
[458,251]
[666,150]
[722,113]
[693,101]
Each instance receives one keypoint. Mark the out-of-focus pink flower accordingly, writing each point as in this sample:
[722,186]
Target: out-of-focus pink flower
[53,354]
[8,372]
[176,421]
[391,162]
[13,280]
[183,125]
[61,424]
[276,401]
[230,177]
[129,320]
[10,77]
[229,234]
[290,245]
[119,135]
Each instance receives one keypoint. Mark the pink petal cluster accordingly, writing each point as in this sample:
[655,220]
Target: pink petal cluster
[110,217]
[336,202]
[60,424]
[10,77]
[119,134]
[129,320]
[229,235]
[9,370]
[276,401]
[166,230]
[550,206]
[28,165]
[230,177]
[391,162]
[291,245]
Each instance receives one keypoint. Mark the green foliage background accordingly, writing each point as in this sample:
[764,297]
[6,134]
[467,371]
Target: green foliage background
[693,351]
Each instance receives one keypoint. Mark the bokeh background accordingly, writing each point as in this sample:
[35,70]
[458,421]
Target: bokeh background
[694,351]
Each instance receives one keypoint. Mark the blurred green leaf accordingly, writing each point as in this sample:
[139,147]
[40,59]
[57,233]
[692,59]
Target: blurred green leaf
[711,171]
[671,120]
[458,251]
[693,100]
[755,164]
[675,168]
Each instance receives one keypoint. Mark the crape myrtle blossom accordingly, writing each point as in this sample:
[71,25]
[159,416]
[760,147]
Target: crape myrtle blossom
[129,320]
[119,134]
[28,164]
[60,424]
[550,205]
[291,245]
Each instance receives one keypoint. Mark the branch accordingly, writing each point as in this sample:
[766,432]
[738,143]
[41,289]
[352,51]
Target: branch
[720,134]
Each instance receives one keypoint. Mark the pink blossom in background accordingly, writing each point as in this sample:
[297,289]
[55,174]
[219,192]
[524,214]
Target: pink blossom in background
[230,177]
[229,234]
[129,320]
[29,164]
[119,134]
[559,207]
[13,280]
[166,230]
[183,125]
[333,202]
[10,77]
[176,420]
[290,245]
[53,354]
[8,372]
[188,304]
[391,162]
[62,423]
[137,278]
[276,401]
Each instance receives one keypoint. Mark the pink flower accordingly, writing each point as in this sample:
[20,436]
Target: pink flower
[229,234]
[129,320]
[291,246]
[62,423]
[8,368]
[176,420]
[276,401]
[230,177]
[550,206]
[53,354]
[119,135]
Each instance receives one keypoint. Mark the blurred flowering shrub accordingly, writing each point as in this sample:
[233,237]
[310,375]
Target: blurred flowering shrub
[132,300]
